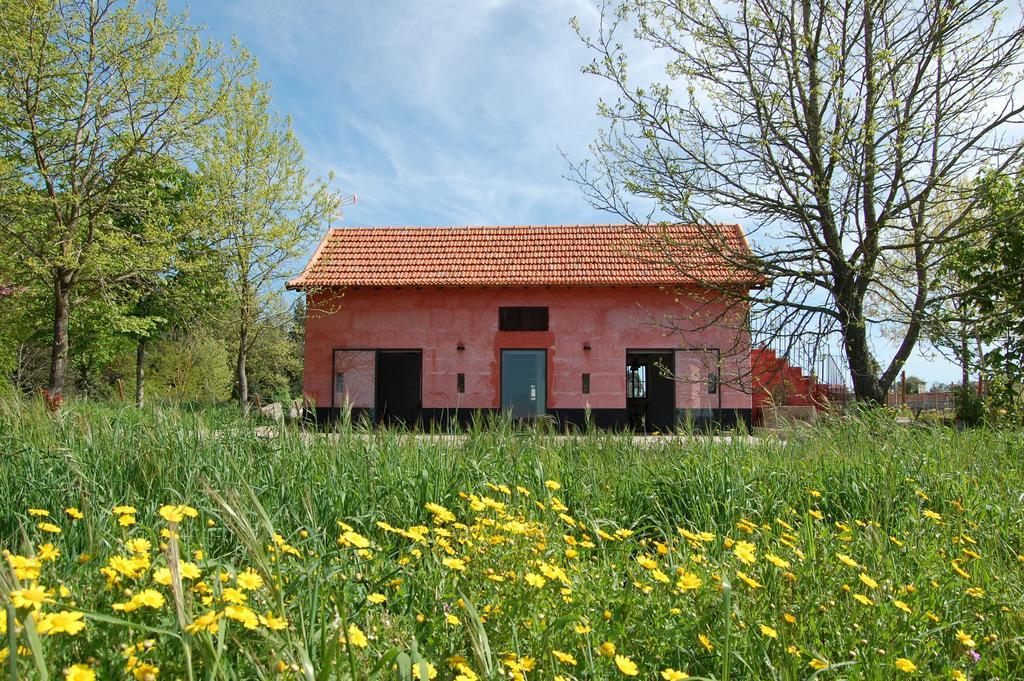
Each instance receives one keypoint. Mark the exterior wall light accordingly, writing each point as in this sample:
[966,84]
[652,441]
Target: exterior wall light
[586,347]
[460,347]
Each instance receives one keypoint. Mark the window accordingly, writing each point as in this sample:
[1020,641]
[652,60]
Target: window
[460,381]
[586,384]
[636,381]
[522,319]
[713,383]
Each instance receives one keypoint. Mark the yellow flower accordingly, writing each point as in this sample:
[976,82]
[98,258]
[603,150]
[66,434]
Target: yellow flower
[626,665]
[249,580]
[745,551]
[965,639]
[452,620]
[817,664]
[846,560]
[776,561]
[441,514]
[606,649]
[31,597]
[124,510]
[706,642]
[232,595]
[24,567]
[790,619]
[138,545]
[749,581]
[768,631]
[535,580]
[49,527]
[126,520]
[905,665]
[48,552]
[150,598]
[959,570]
[454,564]
[377,598]
[862,599]
[867,581]
[171,514]
[243,614]
[564,658]
[674,675]
[816,514]
[205,622]
[688,582]
[63,622]
[552,485]
[902,606]
[957,675]
[355,637]
[934,516]
[74,514]
[646,562]
[582,628]
[38,512]
[79,672]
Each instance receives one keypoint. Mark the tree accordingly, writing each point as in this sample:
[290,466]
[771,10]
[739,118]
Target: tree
[90,90]
[831,128]
[191,287]
[268,206]
[991,270]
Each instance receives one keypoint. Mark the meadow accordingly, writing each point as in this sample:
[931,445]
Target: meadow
[174,544]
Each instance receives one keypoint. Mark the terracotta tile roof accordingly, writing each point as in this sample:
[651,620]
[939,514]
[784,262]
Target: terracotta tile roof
[562,255]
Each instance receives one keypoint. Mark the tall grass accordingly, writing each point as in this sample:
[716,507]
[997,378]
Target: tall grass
[96,456]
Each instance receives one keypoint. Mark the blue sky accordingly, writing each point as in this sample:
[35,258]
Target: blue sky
[447,112]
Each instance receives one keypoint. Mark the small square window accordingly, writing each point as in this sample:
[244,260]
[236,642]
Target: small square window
[586,384]
[460,381]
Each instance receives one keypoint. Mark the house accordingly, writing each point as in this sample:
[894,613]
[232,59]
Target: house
[625,325]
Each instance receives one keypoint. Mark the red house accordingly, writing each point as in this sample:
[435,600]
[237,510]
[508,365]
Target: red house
[424,324]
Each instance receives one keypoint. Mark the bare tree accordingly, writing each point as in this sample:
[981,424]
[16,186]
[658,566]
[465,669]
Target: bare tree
[829,127]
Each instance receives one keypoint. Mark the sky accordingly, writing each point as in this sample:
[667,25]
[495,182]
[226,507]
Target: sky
[447,112]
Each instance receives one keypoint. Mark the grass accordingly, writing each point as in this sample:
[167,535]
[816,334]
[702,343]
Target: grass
[527,589]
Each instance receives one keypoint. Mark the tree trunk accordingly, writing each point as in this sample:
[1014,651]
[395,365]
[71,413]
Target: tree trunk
[865,371]
[140,372]
[59,346]
[243,378]
[965,375]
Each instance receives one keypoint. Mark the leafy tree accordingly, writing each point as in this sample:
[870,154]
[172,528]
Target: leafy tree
[91,91]
[991,272]
[831,128]
[269,208]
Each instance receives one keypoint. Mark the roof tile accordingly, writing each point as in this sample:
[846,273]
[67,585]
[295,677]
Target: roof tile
[558,255]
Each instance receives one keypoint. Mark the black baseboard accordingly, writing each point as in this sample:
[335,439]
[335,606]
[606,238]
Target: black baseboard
[700,420]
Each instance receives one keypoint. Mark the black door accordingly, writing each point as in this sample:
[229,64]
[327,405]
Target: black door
[650,392]
[399,376]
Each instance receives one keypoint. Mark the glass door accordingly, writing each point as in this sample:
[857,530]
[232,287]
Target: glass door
[523,382]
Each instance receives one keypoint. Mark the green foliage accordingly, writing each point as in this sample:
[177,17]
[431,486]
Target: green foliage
[970,407]
[192,366]
[991,269]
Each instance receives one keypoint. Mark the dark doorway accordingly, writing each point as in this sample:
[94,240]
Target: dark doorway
[399,383]
[650,391]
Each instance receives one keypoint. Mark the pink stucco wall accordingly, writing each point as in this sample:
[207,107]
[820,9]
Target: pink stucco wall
[609,320]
